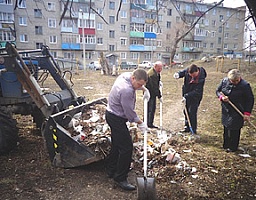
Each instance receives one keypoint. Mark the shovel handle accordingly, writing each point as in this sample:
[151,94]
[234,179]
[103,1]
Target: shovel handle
[189,123]
[240,113]
[233,105]
[145,138]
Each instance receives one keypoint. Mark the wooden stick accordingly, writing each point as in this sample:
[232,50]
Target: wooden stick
[233,105]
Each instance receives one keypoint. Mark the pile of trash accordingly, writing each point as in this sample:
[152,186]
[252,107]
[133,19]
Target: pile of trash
[90,127]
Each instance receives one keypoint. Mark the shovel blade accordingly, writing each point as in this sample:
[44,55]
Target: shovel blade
[146,188]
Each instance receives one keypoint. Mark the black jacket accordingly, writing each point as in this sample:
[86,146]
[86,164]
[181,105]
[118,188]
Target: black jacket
[193,90]
[241,96]
[153,83]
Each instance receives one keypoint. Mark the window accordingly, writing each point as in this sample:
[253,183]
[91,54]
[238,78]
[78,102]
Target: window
[221,18]
[160,18]
[100,11]
[22,4]
[220,29]
[23,38]
[225,46]
[178,19]
[135,56]
[4,16]
[159,43]
[168,36]
[211,45]
[123,41]
[228,13]
[53,39]
[123,14]
[99,40]
[169,12]
[23,21]
[38,13]
[38,30]
[51,6]
[52,23]
[39,45]
[112,5]
[219,40]
[111,47]
[99,26]
[123,28]
[204,45]
[235,46]
[147,56]
[123,55]
[6,36]
[111,34]
[214,11]
[7,2]
[213,23]
[111,19]
[226,35]
[54,54]
[213,34]
[168,49]
[168,25]
[237,26]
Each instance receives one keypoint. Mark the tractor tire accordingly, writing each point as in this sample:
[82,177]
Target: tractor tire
[8,133]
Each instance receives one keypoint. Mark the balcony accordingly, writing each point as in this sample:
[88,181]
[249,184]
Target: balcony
[70,46]
[137,34]
[136,47]
[192,50]
[138,20]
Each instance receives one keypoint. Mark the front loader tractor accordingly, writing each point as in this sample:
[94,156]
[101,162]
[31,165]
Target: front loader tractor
[21,93]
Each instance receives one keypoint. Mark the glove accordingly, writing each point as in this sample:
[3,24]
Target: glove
[161,99]
[146,95]
[160,84]
[143,127]
[183,100]
[176,75]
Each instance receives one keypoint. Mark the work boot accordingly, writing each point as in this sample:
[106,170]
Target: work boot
[152,126]
[125,185]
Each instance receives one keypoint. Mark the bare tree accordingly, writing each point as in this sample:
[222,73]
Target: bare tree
[183,30]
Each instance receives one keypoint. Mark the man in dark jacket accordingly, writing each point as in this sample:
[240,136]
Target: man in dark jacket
[233,89]
[192,92]
[154,79]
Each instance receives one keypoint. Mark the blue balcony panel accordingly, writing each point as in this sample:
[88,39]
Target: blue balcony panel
[149,35]
[71,46]
[134,47]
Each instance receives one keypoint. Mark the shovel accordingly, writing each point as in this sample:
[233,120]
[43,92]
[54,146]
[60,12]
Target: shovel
[187,116]
[146,187]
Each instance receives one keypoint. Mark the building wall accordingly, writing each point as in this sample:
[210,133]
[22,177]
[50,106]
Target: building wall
[207,38]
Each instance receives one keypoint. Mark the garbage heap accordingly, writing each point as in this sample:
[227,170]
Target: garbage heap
[90,127]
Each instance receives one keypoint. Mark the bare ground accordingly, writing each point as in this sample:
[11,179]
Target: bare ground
[26,173]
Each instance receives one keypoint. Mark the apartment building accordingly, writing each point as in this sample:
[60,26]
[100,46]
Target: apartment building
[136,31]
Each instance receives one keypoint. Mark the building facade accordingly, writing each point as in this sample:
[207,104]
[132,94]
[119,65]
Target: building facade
[134,32]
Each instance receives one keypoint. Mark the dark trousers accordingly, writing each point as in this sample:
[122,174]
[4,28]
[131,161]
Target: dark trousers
[151,110]
[192,108]
[231,139]
[119,160]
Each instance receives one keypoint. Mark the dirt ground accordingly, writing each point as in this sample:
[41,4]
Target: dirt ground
[27,173]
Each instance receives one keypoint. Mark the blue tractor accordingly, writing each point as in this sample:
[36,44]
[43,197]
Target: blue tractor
[20,93]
